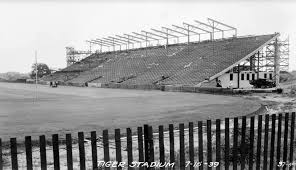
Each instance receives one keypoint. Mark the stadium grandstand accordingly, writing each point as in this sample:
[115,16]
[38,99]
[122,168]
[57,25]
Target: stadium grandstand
[230,61]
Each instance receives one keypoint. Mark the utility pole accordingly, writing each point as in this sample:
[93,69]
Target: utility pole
[36,75]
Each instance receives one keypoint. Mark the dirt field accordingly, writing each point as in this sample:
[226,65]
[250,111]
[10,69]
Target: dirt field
[71,109]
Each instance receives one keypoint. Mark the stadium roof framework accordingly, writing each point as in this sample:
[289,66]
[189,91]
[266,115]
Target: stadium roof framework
[187,30]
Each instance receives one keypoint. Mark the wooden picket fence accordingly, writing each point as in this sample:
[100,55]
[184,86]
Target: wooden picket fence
[273,136]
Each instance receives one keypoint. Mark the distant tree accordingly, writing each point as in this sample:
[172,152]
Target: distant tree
[42,68]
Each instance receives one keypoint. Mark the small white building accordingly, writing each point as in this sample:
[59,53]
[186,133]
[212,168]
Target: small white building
[231,80]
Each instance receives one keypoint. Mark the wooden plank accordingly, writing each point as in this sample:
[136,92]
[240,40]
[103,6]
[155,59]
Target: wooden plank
[278,145]
[118,146]
[235,143]
[129,148]
[259,131]
[69,151]
[56,155]
[209,143]
[151,144]
[13,150]
[28,145]
[146,143]
[244,149]
[272,142]
[252,136]
[172,143]
[161,146]
[140,145]
[1,159]
[227,144]
[182,146]
[106,147]
[265,152]
[191,145]
[42,145]
[94,152]
[292,138]
[218,143]
[285,154]
[81,150]
[200,144]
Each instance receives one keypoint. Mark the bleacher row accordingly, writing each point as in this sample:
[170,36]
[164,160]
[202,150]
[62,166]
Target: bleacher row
[178,64]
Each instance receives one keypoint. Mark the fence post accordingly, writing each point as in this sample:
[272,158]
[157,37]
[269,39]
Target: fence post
[272,141]
[118,147]
[172,143]
[265,152]
[218,139]
[28,144]
[94,152]
[292,138]
[106,147]
[146,142]
[279,136]
[151,145]
[227,144]
[235,141]
[129,144]
[56,155]
[200,144]
[161,147]
[243,142]
[285,154]
[69,151]
[252,136]
[42,145]
[182,146]
[209,143]
[140,145]
[81,150]
[191,146]
[1,164]
[258,154]
[13,150]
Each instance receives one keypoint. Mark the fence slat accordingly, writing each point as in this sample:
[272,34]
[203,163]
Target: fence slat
[191,145]
[279,137]
[209,143]
[106,146]
[243,142]
[235,143]
[140,145]
[272,142]
[226,143]
[151,145]
[161,146]
[172,143]
[56,155]
[81,150]
[182,146]
[118,147]
[200,144]
[28,145]
[252,136]
[146,143]
[69,151]
[285,154]
[259,131]
[292,138]
[13,150]
[218,143]
[265,152]
[94,153]
[129,148]
[1,159]
[42,145]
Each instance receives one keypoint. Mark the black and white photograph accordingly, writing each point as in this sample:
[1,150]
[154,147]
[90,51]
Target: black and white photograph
[147,85]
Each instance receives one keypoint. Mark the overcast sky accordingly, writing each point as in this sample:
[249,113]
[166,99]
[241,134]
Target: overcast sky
[49,27]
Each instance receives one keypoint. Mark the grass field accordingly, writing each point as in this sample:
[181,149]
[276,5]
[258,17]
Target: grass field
[71,109]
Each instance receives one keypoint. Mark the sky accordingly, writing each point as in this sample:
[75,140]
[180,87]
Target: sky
[49,26]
